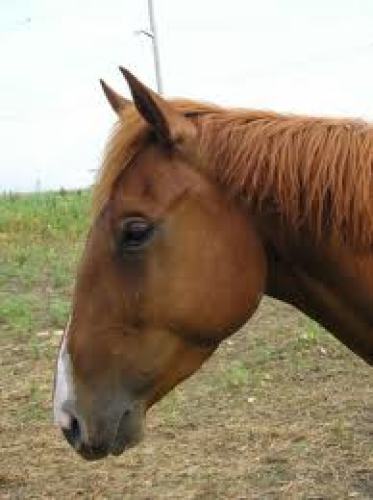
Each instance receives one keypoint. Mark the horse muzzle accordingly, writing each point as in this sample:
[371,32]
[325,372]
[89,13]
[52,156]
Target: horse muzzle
[99,436]
[96,420]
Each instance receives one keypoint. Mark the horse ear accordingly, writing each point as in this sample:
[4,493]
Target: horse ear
[116,101]
[170,125]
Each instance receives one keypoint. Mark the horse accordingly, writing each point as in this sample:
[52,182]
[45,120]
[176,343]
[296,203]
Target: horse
[198,211]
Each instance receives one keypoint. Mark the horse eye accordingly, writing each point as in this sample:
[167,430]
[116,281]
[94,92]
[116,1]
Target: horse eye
[136,232]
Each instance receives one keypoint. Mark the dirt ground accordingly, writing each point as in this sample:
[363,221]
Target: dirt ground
[281,411]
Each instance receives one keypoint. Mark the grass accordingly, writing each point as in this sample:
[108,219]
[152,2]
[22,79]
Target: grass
[44,216]
[281,411]
[41,236]
[235,375]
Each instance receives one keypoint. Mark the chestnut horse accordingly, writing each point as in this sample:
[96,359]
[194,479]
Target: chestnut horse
[198,212]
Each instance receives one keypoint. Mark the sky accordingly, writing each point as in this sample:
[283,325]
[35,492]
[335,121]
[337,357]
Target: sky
[286,55]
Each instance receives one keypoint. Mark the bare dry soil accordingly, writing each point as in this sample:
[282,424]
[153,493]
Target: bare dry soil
[281,411]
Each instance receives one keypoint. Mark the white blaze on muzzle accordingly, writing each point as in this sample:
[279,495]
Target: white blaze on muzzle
[64,394]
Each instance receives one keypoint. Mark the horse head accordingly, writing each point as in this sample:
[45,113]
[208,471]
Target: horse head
[171,267]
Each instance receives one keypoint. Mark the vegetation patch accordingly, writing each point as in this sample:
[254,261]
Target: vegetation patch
[281,411]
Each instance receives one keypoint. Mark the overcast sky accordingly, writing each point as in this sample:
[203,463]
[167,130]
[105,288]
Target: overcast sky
[287,55]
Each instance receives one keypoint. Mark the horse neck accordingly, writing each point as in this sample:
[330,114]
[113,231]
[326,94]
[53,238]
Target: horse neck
[327,281]
[294,168]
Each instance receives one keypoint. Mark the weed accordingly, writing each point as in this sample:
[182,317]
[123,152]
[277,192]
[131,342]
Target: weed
[16,312]
[236,375]
[170,407]
[58,312]
[311,334]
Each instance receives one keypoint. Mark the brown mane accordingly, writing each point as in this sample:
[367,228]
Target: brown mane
[316,172]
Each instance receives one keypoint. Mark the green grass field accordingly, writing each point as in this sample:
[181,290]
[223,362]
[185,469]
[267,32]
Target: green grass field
[282,410]
[41,236]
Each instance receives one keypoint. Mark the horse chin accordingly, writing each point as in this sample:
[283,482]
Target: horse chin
[121,445]
[130,433]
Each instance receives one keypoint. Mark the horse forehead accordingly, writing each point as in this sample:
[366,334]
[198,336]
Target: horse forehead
[155,178]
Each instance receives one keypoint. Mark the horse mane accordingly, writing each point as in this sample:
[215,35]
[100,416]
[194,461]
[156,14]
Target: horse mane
[316,173]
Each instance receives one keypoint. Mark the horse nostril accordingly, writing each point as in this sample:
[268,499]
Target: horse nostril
[75,429]
[73,432]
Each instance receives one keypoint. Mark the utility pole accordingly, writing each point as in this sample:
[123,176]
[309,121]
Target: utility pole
[157,62]
[152,34]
